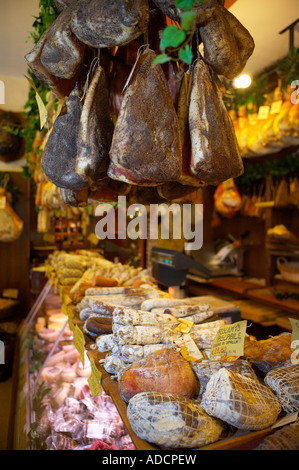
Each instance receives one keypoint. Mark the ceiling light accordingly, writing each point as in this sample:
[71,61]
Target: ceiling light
[244,81]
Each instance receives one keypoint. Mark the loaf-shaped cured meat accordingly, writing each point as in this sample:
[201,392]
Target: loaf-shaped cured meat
[163,371]
[127,316]
[170,421]
[240,401]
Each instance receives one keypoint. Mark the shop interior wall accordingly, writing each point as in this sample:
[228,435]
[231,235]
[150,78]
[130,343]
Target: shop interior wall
[15,256]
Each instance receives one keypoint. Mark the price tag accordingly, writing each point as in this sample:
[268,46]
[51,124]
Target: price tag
[92,238]
[184,326]
[276,107]
[295,340]
[71,323]
[189,349]
[228,184]
[252,118]
[67,300]
[263,112]
[229,341]
[79,342]
[2,202]
[10,293]
[94,380]
[48,237]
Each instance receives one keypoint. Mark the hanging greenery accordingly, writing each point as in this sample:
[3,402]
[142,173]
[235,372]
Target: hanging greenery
[255,173]
[176,39]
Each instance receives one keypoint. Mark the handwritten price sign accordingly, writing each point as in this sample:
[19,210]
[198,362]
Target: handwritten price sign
[229,341]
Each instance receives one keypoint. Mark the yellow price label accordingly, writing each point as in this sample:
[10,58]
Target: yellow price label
[229,341]
[67,300]
[184,326]
[92,238]
[94,380]
[79,342]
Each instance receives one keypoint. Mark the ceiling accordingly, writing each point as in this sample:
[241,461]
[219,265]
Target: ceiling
[263,18]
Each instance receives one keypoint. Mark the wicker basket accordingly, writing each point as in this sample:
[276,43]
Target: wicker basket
[288,270]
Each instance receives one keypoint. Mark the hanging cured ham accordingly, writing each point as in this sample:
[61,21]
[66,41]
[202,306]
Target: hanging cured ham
[58,57]
[60,153]
[186,178]
[108,23]
[227,43]
[215,152]
[146,148]
[95,131]
[169,8]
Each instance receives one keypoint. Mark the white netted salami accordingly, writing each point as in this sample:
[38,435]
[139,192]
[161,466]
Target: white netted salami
[240,401]
[139,334]
[173,422]
[105,343]
[127,316]
[104,291]
[203,334]
[205,369]
[285,383]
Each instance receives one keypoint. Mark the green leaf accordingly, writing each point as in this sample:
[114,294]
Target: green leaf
[187,19]
[184,4]
[172,37]
[161,59]
[186,54]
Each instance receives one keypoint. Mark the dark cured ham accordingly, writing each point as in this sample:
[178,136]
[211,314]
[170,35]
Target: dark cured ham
[146,148]
[95,131]
[109,23]
[215,152]
[60,153]
[227,44]
[58,57]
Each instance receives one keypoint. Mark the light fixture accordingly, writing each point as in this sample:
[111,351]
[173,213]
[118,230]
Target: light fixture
[243,81]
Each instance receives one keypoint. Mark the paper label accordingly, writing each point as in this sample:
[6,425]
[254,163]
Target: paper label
[189,349]
[92,238]
[79,342]
[263,112]
[10,293]
[276,107]
[228,184]
[229,341]
[94,380]
[252,118]
[48,237]
[184,326]
[291,418]
[2,202]
[295,340]
[67,300]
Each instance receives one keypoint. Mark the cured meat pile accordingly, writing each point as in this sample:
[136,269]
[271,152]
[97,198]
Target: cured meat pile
[158,350]
[127,123]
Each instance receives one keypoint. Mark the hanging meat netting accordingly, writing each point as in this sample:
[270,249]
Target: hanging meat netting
[240,401]
[285,383]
